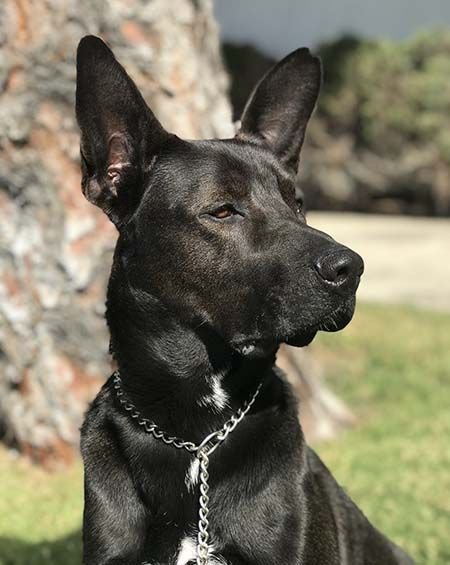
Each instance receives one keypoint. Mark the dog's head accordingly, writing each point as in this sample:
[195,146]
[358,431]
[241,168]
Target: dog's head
[213,228]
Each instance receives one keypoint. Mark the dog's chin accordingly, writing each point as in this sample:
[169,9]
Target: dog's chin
[333,321]
[260,348]
[301,339]
[255,348]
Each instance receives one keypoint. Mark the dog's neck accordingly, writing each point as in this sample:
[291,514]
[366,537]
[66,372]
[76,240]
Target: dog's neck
[185,379]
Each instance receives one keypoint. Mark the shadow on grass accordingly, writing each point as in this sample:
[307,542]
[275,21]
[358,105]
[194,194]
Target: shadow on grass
[63,551]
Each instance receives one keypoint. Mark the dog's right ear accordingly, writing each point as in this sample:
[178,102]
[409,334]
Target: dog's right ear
[119,134]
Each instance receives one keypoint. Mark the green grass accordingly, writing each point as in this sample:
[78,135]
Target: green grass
[391,365]
[40,514]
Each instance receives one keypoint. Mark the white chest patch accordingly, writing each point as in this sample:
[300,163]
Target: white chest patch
[191,478]
[188,553]
[218,398]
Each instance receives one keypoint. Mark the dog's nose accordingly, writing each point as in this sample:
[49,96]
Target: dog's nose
[340,268]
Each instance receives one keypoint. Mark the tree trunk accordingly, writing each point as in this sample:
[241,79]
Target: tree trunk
[55,248]
[322,414]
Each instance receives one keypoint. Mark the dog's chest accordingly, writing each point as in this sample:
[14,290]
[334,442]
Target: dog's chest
[168,483]
[167,480]
[187,554]
[246,487]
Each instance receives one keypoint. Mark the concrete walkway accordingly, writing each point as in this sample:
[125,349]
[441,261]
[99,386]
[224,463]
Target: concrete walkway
[407,259]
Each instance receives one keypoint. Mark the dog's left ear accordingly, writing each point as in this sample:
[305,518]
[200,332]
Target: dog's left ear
[279,108]
[119,133]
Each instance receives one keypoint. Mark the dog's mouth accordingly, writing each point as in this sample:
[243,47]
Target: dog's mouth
[333,321]
[339,317]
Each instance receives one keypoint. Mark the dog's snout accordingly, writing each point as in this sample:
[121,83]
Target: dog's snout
[340,268]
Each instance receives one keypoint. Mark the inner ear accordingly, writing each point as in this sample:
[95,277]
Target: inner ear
[117,185]
[120,136]
[119,163]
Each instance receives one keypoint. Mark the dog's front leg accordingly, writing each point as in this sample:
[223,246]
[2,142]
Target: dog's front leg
[114,523]
[115,519]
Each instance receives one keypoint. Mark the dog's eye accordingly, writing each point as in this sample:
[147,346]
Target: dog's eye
[223,212]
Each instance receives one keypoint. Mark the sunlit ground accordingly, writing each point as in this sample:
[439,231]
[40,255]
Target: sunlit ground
[391,365]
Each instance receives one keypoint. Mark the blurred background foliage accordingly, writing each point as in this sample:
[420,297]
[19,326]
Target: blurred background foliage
[390,94]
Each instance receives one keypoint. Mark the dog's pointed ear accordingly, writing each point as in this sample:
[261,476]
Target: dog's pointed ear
[119,133]
[280,106]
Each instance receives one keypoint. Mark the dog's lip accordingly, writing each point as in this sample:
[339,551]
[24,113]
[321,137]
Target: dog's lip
[338,318]
[301,339]
[335,320]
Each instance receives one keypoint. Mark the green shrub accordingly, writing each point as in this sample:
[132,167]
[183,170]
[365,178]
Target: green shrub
[388,94]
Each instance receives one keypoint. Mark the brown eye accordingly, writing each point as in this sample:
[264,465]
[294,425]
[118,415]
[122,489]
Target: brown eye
[223,212]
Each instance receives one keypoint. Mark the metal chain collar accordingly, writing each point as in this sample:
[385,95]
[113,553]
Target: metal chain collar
[202,452]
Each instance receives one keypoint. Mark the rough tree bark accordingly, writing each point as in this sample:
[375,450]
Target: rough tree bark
[55,248]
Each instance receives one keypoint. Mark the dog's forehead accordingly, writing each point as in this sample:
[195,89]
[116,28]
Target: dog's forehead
[216,169]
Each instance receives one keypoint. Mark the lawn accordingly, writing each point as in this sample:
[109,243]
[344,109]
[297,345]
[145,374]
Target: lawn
[40,514]
[392,366]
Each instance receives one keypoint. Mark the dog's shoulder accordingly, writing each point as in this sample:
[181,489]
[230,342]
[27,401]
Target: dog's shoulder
[97,431]
[99,407]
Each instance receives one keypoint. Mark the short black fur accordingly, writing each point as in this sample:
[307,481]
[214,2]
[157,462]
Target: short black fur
[214,268]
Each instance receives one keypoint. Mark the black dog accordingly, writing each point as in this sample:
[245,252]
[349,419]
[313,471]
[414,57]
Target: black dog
[214,268]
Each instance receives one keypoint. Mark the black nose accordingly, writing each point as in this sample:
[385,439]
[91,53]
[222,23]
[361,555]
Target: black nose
[340,268]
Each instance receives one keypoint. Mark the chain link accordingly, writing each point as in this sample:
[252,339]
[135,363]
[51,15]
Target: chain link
[202,452]
[203,522]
